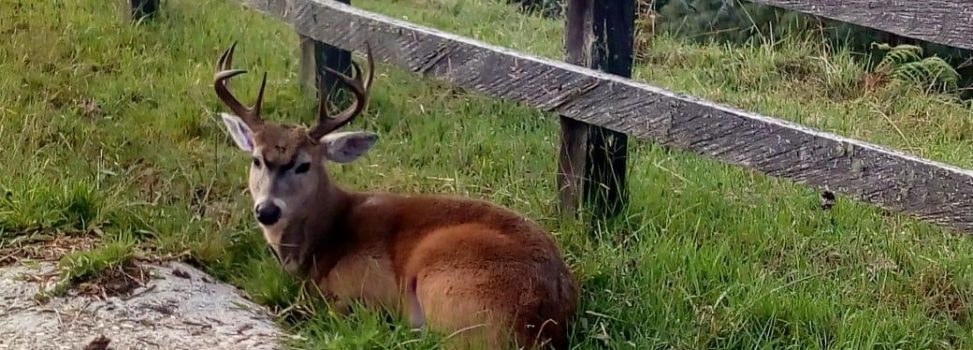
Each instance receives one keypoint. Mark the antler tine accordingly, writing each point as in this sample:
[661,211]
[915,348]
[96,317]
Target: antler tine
[371,68]
[327,123]
[220,83]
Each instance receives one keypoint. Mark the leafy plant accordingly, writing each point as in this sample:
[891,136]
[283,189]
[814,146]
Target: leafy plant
[904,64]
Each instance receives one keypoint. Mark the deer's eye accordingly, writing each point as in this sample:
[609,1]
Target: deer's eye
[256,162]
[303,168]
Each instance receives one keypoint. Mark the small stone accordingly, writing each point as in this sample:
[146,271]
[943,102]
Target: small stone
[99,343]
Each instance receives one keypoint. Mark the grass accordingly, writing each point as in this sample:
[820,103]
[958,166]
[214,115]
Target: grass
[111,128]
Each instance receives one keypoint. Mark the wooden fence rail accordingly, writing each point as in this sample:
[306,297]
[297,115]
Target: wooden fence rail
[947,22]
[893,180]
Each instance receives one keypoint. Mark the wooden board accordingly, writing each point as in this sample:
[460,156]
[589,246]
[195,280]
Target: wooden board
[948,22]
[613,52]
[932,191]
[592,159]
[572,153]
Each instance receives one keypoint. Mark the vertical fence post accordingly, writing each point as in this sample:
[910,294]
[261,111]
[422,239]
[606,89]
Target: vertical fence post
[138,9]
[314,56]
[612,52]
[574,134]
[592,162]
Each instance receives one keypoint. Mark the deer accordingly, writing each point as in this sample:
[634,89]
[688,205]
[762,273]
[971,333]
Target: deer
[484,274]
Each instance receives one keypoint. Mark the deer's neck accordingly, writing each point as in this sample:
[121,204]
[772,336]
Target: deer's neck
[315,231]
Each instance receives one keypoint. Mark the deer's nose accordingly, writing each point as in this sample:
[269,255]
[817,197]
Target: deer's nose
[267,213]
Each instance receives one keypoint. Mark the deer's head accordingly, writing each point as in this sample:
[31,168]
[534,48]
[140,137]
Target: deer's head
[288,160]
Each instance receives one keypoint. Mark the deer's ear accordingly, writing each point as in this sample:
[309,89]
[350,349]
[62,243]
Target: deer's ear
[344,147]
[239,131]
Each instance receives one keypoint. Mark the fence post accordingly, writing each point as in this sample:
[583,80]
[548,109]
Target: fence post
[612,52]
[574,134]
[138,9]
[314,56]
[592,162]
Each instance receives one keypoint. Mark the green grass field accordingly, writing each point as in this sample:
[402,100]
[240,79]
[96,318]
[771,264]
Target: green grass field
[111,129]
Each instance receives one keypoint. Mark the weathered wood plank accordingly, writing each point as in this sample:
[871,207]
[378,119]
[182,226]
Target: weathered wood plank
[613,51]
[948,22]
[309,66]
[929,190]
[316,55]
[592,159]
[572,154]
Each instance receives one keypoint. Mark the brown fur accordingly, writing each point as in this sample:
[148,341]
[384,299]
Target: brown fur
[280,143]
[483,273]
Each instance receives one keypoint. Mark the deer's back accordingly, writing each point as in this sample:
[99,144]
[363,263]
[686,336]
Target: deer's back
[464,255]
[446,227]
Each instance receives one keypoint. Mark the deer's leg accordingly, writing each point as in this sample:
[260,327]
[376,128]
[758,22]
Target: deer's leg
[454,303]
[417,318]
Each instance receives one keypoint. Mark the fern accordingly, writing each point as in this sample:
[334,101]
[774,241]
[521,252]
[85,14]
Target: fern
[932,71]
[897,55]
[904,64]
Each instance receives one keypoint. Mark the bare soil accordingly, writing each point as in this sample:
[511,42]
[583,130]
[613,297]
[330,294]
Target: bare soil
[45,248]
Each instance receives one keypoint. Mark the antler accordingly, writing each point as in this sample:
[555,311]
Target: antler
[326,123]
[251,116]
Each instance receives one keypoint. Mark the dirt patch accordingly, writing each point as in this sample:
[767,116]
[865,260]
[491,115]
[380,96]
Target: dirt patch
[43,248]
[114,281]
[873,81]
[798,68]
[942,295]
[89,107]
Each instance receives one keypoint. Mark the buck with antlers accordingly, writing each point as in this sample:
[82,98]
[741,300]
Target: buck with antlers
[460,266]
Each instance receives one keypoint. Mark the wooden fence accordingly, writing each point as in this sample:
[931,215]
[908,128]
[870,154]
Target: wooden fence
[601,107]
